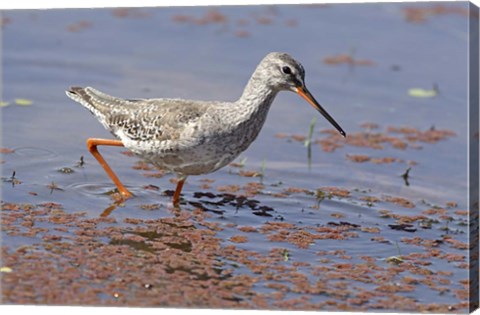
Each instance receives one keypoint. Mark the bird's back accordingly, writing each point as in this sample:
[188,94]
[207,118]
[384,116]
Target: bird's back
[140,119]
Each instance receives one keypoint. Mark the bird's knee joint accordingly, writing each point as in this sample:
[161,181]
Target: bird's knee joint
[91,146]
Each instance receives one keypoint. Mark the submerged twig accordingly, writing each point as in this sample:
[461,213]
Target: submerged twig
[81,162]
[11,179]
[53,187]
[14,180]
[406,175]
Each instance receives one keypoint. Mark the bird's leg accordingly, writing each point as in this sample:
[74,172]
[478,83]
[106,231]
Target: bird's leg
[92,144]
[178,190]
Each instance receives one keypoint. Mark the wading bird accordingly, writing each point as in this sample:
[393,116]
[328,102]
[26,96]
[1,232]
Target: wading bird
[193,137]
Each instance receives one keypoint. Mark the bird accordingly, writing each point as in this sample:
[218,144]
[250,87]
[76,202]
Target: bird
[192,137]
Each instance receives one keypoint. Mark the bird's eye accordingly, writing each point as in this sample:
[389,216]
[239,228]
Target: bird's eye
[287,70]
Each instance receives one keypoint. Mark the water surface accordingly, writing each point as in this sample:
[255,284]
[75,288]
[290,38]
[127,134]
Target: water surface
[209,54]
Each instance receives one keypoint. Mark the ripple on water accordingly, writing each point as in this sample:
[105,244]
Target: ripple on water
[92,189]
[35,153]
[104,189]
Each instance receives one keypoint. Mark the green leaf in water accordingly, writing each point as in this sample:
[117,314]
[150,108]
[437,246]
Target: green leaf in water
[23,102]
[6,269]
[308,141]
[286,255]
[396,260]
[4,104]
[422,93]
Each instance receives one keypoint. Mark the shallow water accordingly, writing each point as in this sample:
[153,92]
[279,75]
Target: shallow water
[152,53]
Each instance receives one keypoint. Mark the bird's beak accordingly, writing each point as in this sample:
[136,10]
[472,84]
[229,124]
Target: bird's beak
[303,92]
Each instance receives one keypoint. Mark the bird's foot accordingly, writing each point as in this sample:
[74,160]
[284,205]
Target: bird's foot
[126,194]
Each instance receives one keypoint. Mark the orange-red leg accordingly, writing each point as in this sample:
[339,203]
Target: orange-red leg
[178,190]
[92,144]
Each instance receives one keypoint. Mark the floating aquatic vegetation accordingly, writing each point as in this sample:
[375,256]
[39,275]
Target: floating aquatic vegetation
[247,229]
[403,227]
[401,138]
[6,151]
[423,93]
[396,260]
[370,229]
[150,207]
[212,16]
[131,13]
[399,201]
[336,191]
[417,14]
[66,170]
[17,101]
[238,239]
[128,153]
[249,173]
[155,174]
[23,102]
[291,23]
[337,215]
[246,24]
[239,164]
[229,188]
[264,20]
[5,270]
[142,165]
[4,21]
[358,158]
[151,187]
[79,26]
[242,34]
[348,59]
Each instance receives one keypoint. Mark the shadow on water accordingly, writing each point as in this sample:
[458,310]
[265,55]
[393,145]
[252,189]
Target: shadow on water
[207,201]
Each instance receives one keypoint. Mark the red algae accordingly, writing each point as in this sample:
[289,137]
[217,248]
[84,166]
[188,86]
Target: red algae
[336,191]
[347,59]
[79,26]
[400,138]
[238,239]
[358,158]
[399,201]
[5,21]
[130,13]
[6,151]
[416,14]
[200,260]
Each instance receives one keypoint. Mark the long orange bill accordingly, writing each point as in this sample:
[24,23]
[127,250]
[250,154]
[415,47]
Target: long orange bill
[303,92]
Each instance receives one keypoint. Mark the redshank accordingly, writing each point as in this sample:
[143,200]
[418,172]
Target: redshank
[193,137]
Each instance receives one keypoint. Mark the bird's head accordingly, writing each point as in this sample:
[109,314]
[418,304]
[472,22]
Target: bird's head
[285,73]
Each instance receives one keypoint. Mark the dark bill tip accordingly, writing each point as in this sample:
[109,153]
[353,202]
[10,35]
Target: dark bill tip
[303,92]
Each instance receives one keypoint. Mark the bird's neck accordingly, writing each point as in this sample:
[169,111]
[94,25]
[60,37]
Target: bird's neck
[257,96]
[249,112]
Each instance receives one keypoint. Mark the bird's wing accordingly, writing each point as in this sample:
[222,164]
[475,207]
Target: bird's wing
[141,119]
[156,119]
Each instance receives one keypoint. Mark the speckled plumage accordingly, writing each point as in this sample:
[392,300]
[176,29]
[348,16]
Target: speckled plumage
[195,137]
